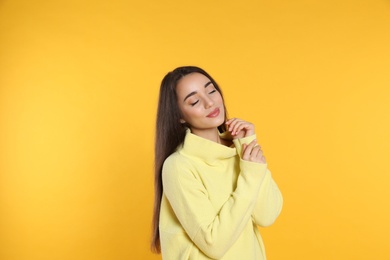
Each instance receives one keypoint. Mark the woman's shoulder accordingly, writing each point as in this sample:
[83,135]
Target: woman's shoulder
[178,167]
[177,159]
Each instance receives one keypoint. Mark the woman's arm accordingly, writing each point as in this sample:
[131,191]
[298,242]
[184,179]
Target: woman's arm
[269,202]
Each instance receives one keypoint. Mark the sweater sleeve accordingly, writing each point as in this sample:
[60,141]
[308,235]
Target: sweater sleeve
[212,230]
[269,201]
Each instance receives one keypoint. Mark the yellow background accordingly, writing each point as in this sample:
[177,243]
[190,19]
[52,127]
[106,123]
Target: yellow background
[78,90]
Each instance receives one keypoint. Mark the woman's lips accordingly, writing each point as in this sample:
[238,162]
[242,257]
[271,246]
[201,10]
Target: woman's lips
[214,113]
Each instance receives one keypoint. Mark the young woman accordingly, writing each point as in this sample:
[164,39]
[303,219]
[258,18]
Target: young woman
[212,184]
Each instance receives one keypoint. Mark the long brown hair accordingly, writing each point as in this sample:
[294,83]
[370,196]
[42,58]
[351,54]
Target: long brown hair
[170,134]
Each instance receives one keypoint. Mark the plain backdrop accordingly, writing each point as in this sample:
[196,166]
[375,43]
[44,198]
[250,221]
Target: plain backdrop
[79,83]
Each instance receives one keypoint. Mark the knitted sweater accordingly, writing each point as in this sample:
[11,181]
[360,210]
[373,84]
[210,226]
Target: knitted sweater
[213,201]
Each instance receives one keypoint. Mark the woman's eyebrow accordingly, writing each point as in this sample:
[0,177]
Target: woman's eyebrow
[189,95]
[194,92]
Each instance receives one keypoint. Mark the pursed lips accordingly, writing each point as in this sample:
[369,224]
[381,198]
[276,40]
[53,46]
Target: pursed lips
[214,113]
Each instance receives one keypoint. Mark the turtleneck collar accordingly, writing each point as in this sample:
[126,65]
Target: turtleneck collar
[205,149]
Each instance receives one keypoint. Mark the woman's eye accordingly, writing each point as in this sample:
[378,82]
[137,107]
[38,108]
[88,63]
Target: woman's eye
[213,91]
[193,104]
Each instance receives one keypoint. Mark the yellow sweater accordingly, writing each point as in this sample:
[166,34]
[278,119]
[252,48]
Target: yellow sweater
[213,200]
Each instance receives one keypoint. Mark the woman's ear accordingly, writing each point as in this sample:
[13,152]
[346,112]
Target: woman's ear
[182,121]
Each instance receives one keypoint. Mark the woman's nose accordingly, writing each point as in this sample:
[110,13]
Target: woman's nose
[209,102]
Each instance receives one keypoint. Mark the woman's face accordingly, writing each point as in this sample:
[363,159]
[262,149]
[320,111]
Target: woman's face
[201,105]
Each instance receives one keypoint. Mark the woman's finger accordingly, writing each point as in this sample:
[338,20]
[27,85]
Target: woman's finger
[259,154]
[253,153]
[247,150]
[232,123]
[238,127]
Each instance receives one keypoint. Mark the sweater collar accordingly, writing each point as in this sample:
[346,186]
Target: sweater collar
[205,149]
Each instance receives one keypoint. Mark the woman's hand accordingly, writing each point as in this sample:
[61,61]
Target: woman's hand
[239,128]
[252,152]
